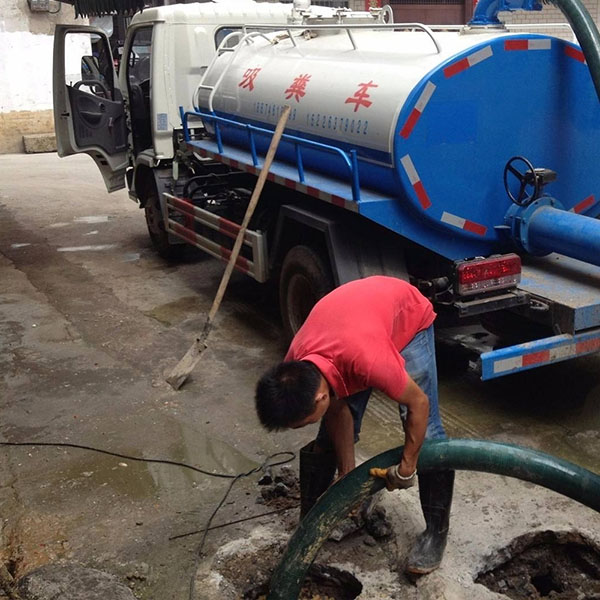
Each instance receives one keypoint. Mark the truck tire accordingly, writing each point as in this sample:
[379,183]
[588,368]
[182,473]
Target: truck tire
[156,229]
[304,280]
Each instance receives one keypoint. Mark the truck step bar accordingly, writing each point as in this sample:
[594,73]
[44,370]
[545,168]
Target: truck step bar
[182,209]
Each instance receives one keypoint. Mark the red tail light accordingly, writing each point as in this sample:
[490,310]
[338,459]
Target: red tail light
[484,275]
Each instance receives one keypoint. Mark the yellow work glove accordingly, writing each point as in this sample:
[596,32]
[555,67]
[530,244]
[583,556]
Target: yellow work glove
[393,479]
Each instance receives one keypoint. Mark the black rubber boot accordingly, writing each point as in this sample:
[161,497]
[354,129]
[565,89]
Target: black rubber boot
[435,492]
[317,470]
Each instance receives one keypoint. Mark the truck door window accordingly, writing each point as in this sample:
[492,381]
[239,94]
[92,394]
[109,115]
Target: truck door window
[88,65]
[138,62]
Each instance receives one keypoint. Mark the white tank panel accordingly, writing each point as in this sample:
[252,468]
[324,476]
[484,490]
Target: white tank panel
[335,91]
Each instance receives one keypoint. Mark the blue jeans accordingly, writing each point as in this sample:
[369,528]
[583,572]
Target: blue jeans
[419,357]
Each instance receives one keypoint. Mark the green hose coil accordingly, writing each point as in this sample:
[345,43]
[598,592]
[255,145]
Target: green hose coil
[472,455]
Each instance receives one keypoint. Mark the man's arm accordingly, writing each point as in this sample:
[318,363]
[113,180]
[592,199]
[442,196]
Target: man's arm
[415,426]
[340,428]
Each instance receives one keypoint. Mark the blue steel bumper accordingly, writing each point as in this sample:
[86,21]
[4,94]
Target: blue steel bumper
[538,353]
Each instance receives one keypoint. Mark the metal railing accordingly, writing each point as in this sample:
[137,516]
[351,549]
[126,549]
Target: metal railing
[346,27]
[349,159]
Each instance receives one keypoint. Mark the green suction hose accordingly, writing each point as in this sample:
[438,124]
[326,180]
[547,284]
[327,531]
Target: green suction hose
[472,455]
[587,35]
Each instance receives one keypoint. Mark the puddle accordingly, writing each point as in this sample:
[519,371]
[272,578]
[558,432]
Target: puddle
[211,454]
[174,312]
[57,225]
[87,248]
[92,219]
[321,583]
[95,232]
[19,245]
[131,257]
[529,409]
[126,477]
[557,565]
[136,479]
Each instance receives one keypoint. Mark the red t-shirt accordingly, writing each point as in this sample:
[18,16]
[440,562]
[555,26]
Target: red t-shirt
[354,334]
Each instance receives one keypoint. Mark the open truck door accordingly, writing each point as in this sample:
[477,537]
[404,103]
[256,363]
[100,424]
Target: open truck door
[89,114]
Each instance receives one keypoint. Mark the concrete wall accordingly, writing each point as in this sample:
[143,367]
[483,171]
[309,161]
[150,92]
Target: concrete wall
[26,40]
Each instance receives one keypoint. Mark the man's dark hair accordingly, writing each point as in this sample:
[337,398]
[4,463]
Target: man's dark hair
[285,394]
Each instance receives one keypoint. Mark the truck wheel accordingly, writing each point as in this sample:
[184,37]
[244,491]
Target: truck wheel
[156,229]
[304,280]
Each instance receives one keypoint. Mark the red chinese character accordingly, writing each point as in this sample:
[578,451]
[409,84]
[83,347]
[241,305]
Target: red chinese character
[298,88]
[361,95]
[248,79]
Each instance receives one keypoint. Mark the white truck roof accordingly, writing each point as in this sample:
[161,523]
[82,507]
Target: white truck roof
[222,11]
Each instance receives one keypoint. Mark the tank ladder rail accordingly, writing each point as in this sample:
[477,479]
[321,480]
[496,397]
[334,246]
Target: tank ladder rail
[350,158]
[348,28]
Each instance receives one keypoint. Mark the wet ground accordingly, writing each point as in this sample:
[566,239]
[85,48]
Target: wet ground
[91,320]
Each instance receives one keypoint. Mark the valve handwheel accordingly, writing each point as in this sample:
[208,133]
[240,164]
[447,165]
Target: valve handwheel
[527,178]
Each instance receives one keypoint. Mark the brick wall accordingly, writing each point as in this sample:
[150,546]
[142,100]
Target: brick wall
[549,20]
[544,21]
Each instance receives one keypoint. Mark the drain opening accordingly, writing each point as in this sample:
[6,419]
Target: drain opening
[321,582]
[545,584]
[553,565]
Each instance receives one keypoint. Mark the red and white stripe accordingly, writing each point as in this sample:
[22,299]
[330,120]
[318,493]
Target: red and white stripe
[469,61]
[242,263]
[465,224]
[417,111]
[583,205]
[562,352]
[575,53]
[185,207]
[289,183]
[415,181]
[537,44]
[187,210]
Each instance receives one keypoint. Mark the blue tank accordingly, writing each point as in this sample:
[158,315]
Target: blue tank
[434,118]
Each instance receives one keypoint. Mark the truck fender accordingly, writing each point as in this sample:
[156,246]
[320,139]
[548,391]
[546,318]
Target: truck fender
[144,176]
[144,179]
[354,250]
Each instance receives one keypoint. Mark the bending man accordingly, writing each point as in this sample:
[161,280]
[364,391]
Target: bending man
[370,333]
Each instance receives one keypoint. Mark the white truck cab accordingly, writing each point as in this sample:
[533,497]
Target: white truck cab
[128,120]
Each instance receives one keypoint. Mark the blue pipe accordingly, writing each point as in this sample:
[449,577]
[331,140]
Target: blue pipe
[544,226]
[486,11]
[553,230]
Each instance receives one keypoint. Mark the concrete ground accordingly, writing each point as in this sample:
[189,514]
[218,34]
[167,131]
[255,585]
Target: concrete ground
[91,320]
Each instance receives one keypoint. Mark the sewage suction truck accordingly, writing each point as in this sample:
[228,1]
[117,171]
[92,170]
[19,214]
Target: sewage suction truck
[462,159]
